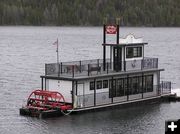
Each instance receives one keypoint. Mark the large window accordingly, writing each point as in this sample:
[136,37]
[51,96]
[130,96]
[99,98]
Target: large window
[148,83]
[119,88]
[130,86]
[112,88]
[132,52]
[105,83]
[116,88]
[125,84]
[135,85]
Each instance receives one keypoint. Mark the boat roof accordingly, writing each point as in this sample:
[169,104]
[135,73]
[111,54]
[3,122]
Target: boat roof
[125,44]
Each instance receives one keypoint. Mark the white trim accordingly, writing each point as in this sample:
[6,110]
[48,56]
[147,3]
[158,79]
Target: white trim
[129,39]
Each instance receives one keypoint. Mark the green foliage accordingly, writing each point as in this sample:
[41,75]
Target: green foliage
[90,12]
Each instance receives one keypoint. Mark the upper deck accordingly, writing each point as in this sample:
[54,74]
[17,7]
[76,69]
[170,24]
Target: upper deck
[126,56]
[95,68]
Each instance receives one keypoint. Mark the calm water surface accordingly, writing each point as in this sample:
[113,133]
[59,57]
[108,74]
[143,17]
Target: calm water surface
[23,52]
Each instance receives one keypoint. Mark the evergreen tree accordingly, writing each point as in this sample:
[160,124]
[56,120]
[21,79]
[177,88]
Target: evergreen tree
[90,12]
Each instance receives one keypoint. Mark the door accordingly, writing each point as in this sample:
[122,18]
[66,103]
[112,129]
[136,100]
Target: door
[117,56]
[80,95]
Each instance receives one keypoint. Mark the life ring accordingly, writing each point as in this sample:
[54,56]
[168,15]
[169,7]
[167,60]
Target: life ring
[133,64]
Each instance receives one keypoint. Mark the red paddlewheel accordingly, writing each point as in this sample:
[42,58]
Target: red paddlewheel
[45,100]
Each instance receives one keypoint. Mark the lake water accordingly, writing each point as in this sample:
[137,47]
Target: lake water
[25,50]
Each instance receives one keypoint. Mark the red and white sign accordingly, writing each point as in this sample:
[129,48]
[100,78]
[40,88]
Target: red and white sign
[111,29]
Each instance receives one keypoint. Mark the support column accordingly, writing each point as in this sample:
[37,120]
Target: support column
[124,58]
[72,93]
[112,92]
[104,58]
[127,87]
[117,36]
[158,84]
[76,88]
[45,83]
[94,92]
[104,47]
[42,83]
[59,67]
[110,58]
[75,96]
[142,85]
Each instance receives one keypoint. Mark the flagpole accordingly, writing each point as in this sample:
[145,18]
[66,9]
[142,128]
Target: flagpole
[57,52]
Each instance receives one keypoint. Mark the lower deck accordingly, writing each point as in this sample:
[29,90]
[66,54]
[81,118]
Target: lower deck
[122,103]
[108,90]
[103,100]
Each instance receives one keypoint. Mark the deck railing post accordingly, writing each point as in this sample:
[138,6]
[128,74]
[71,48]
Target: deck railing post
[142,85]
[80,67]
[58,69]
[112,90]
[97,65]
[125,66]
[127,87]
[45,84]
[88,69]
[94,92]
[107,68]
[98,62]
[142,64]
[73,71]
[170,87]
[42,83]
[61,67]
[45,69]
[162,86]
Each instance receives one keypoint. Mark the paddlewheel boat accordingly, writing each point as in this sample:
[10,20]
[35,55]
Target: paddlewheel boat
[123,76]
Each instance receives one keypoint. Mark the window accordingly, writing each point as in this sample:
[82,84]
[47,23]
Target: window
[129,52]
[130,86]
[116,89]
[132,52]
[119,87]
[139,52]
[99,85]
[92,85]
[148,83]
[105,83]
[140,84]
[125,86]
[135,85]
[112,88]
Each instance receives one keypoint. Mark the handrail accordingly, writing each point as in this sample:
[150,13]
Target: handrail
[95,67]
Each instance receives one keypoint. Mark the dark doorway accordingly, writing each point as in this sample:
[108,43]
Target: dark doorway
[117,51]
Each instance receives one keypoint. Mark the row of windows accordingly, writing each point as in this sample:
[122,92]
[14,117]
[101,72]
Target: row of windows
[125,86]
[130,86]
[99,84]
[132,52]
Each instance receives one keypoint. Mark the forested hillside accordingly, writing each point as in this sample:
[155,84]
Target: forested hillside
[90,12]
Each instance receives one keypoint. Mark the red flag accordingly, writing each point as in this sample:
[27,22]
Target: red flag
[111,29]
[56,43]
